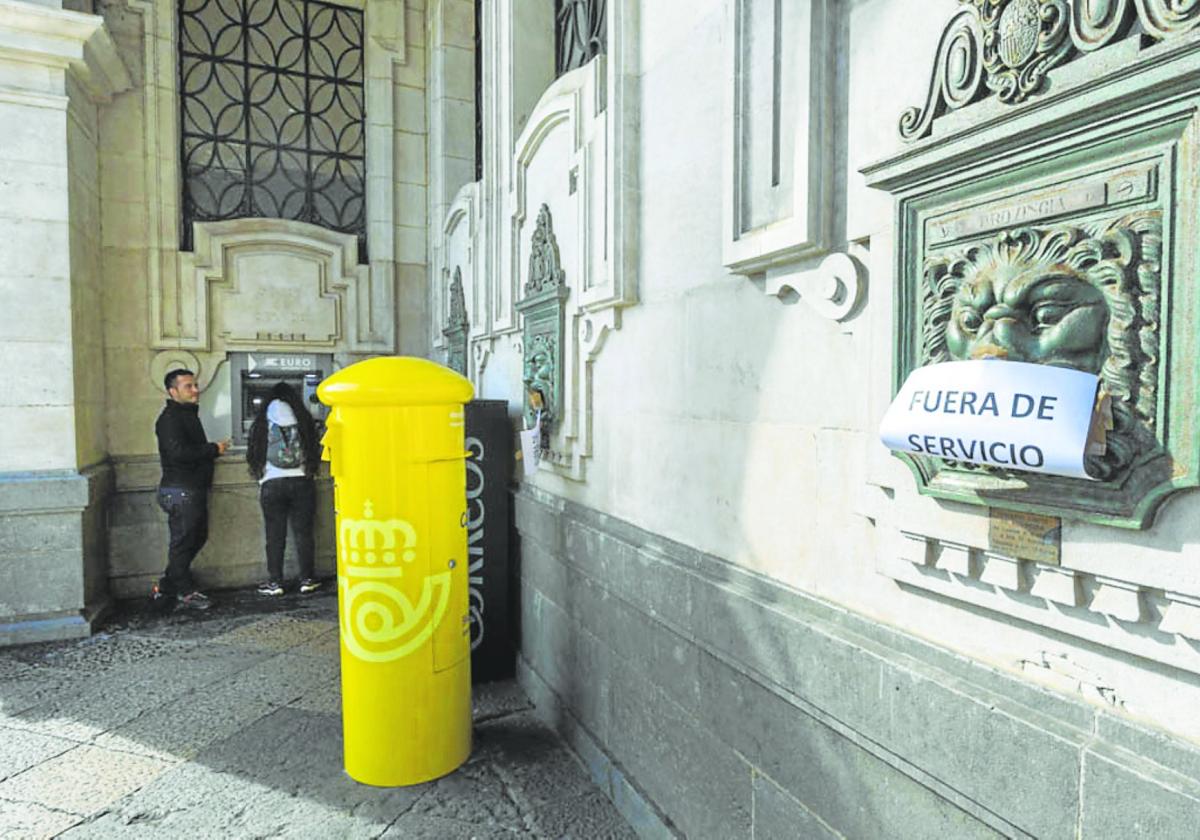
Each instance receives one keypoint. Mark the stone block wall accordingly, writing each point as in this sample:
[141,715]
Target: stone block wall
[234,555]
[53,575]
[712,701]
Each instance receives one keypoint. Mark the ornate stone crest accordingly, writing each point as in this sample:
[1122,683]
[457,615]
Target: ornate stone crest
[457,326]
[1008,46]
[543,308]
[1022,39]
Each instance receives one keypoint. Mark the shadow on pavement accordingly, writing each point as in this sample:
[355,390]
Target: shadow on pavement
[228,723]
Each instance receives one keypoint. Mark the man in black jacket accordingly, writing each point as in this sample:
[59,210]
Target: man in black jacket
[187,470]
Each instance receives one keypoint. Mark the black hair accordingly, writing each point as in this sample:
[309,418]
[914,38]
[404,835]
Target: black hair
[169,379]
[256,442]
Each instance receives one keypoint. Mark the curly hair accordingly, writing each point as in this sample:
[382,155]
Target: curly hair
[256,445]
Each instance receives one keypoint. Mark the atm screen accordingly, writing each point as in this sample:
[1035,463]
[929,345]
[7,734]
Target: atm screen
[256,395]
[254,375]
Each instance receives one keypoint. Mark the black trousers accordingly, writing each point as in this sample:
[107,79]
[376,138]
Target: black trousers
[187,519]
[285,500]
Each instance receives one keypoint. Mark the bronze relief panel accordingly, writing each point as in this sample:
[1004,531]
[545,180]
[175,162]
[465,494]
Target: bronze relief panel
[1066,269]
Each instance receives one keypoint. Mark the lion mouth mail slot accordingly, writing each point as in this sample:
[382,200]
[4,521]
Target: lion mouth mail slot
[995,413]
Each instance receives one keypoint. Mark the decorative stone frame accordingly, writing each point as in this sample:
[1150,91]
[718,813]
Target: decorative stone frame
[174,328]
[806,230]
[330,257]
[601,284]
[597,106]
[1127,114]
[598,101]
[793,250]
[462,219]
[1088,172]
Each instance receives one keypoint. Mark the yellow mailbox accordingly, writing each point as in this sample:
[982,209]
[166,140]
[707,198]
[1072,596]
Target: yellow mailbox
[395,442]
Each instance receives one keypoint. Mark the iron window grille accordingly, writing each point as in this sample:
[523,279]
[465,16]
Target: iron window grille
[272,113]
[579,33]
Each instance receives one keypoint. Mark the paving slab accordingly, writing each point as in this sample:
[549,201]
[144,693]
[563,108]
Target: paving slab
[193,801]
[23,750]
[537,769]
[228,724]
[83,780]
[184,727]
[27,821]
[276,632]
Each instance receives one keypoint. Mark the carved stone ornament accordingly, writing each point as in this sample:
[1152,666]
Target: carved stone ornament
[457,326]
[1007,47]
[544,312]
[545,269]
[1083,297]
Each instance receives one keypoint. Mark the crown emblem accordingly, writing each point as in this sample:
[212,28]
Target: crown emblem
[376,547]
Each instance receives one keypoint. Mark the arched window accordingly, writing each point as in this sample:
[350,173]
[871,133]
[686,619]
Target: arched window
[272,113]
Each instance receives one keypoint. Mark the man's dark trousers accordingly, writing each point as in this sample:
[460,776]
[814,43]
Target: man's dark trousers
[187,519]
[187,471]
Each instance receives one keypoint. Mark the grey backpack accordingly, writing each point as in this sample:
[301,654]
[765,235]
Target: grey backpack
[284,449]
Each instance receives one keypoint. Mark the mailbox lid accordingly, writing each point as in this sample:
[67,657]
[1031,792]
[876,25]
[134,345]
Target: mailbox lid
[395,381]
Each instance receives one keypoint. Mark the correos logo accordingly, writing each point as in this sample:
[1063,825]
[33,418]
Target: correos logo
[379,622]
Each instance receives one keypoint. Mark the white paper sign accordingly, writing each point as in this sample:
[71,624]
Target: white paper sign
[531,450]
[998,413]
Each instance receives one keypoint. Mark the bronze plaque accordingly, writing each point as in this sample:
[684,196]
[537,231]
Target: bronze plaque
[1131,184]
[1027,536]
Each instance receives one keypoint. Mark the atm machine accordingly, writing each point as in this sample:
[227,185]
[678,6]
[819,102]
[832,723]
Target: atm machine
[253,375]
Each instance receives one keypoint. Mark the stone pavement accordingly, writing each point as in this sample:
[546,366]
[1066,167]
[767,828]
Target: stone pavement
[227,724]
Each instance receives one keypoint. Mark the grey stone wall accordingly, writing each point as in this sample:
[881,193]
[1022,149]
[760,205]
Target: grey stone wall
[233,556]
[52,553]
[713,702]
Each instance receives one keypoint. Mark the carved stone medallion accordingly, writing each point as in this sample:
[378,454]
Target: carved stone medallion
[1018,32]
[1022,39]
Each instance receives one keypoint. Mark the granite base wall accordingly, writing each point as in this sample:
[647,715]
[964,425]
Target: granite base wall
[712,702]
[53,582]
[234,555]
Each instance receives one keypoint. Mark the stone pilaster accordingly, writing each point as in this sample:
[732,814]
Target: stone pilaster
[56,68]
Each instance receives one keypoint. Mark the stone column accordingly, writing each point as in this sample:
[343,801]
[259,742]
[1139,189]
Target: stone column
[56,67]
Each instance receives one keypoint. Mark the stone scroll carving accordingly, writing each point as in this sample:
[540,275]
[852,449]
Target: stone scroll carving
[1007,47]
[1085,297]
[457,326]
[544,313]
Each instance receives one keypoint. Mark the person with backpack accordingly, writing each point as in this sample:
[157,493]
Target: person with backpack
[283,453]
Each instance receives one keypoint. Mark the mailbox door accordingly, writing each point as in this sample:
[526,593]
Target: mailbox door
[448,556]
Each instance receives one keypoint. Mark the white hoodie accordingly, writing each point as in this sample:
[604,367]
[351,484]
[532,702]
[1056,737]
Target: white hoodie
[281,414]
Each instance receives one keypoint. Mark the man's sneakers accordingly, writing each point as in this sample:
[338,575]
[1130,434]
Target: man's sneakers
[309,585]
[194,601]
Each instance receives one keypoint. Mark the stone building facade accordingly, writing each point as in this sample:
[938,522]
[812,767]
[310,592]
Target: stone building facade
[704,241]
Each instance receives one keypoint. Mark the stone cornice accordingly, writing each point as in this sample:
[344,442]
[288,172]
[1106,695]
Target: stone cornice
[72,41]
